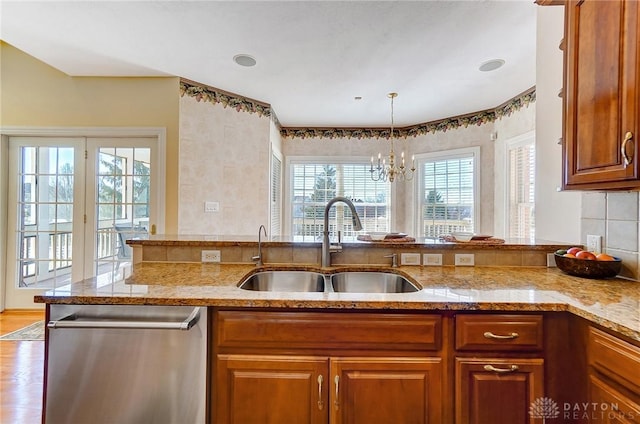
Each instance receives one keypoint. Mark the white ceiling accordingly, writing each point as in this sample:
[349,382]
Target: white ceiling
[313,57]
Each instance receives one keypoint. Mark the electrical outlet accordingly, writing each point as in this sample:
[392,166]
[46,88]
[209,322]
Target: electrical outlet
[432,259]
[210,256]
[409,259]
[464,259]
[211,206]
[551,260]
[594,243]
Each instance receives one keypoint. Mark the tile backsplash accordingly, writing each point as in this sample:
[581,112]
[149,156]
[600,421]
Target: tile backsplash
[615,216]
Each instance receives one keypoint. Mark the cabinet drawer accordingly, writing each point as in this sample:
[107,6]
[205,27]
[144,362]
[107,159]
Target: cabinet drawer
[499,332]
[317,331]
[615,358]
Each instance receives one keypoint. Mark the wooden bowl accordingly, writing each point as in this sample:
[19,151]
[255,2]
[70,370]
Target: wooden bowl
[588,269]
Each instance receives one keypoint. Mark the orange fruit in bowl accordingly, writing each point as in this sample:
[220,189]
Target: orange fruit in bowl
[586,255]
[605,257]
[569,255]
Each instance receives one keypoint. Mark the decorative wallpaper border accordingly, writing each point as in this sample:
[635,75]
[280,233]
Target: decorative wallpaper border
[243,104]
[443,125]
[204,93]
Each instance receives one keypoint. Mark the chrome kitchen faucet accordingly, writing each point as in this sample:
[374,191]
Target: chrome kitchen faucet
[327,248]
[258,258]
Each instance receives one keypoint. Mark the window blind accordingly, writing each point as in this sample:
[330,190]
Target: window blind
[315,183]
[521,191]
[276,196]
[448,195]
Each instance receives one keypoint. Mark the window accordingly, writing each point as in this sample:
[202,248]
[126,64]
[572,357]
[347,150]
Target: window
[521,189]
[315,182]
[447,192]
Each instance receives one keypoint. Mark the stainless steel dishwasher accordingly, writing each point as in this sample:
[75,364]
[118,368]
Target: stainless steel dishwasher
[126,364]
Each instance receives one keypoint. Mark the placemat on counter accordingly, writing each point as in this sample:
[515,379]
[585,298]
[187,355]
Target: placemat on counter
[407,239]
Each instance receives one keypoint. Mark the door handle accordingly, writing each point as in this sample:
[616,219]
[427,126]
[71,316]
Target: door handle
[623,149]
[336,401]
[320,401]
[490,335]
[512,368]
[75,321]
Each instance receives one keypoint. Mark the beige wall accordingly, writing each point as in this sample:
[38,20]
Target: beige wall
[224,158]
[37,95]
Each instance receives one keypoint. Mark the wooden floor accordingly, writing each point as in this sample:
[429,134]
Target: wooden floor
[21,371]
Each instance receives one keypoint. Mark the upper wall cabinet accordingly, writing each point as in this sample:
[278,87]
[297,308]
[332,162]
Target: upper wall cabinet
[601,96]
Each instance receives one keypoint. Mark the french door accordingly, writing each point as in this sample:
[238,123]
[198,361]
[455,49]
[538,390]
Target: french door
[73,203]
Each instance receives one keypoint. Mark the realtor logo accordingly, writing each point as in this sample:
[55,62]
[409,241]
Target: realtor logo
[544,408]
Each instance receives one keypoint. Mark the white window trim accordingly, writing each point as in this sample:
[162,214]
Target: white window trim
[288,189]
[421,158]
[512,143]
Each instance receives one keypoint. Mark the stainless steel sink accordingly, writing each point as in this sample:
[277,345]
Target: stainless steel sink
[285,281]
[371,282]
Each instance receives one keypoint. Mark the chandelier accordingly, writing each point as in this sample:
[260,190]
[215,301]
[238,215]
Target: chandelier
[392,171]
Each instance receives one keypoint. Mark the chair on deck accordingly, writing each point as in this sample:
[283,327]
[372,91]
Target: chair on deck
[127,232]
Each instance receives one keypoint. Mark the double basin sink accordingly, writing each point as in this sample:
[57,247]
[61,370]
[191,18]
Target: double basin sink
[339,282]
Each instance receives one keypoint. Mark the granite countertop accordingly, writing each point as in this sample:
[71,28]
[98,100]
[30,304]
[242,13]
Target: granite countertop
[612,303]
[420,242]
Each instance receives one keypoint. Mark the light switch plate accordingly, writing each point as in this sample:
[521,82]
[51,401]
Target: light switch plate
[211,206]
[464,259]
[432,259]
[409,259]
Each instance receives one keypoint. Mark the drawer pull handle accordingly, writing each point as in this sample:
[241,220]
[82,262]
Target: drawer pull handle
[336,402]
[490,335]
[623,149]
[320,402]
[512,368]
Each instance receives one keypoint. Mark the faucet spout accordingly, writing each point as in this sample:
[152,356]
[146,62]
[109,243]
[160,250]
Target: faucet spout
[326,244]
[258,258]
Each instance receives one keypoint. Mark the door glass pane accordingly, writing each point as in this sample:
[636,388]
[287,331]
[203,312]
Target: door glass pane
[122,205]
[45,216]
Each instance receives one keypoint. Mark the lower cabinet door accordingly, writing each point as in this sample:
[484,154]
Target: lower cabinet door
[386,390]
[501,391]
[609,405]
[254,389]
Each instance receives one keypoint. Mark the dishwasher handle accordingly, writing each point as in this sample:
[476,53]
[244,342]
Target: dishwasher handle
[74,321]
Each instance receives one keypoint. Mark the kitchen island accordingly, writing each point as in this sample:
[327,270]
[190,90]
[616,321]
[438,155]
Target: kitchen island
[508,334]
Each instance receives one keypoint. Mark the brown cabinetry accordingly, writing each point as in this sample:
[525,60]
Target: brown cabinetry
[340,368]
[601,96]
[386,390]
[270,389]
[499,369]
[614,379]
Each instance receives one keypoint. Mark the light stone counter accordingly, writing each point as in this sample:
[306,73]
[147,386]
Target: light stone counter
[612,303]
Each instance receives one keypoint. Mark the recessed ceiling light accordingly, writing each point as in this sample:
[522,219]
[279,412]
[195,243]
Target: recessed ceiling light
[491,65]
[244,60]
